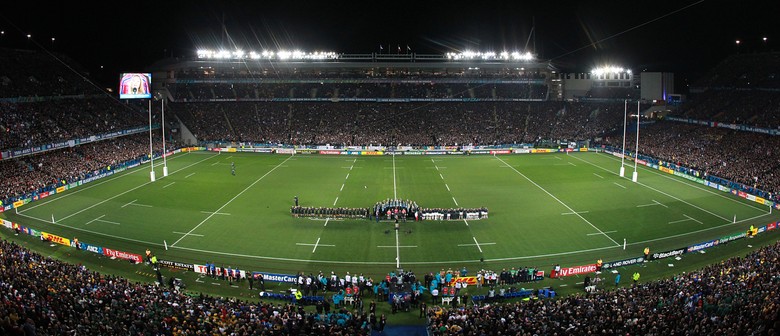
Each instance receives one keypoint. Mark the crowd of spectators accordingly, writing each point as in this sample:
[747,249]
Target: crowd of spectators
[365,89]
[734,297]
[43,296]
[759,108]
[758,70]
[26,73]
[416,124]
[30,175]
[748,158]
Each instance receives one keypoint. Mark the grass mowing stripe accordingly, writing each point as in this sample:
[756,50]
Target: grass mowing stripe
[719,194]
[231,200]
[559,201]
[659,191]
[82,188]
[120,194]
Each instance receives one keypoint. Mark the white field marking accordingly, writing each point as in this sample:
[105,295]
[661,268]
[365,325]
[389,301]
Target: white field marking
[326,224]
[334,202]
[442,176]
[574,213]
[191,234]
[395,189]
[125,192]
[456,202]
[346,178]
[107,221]
[557,158]
[216,213]
[230,201]
[564,285]
[593,234]
[448,187]
[437,168]
[663,193]
[572,164]
[108,179]
[664,175]
[215,163]
[270,165]
[561,202]
[394,246]
[229,157]
[661,204]
[693,219]
[447,262]
[680,221]
[168,185]
[560,164]
[465,221]
[342,187]
[216,283]
[90,222]
[316,244]
[619,185]
[461,245]
[476,242]
[189,175]
[599,176]
[388,168]
[141,205]
[327,219]
[646,205]
[129,203]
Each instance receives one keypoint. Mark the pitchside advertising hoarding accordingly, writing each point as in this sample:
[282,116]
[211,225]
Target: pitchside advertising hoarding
[135,85]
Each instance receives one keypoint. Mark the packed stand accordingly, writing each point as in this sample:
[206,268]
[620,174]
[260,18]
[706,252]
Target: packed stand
[735,297]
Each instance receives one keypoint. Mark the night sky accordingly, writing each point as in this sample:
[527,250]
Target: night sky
[686,37]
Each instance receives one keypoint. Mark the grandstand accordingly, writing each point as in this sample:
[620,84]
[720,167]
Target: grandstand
[56,136]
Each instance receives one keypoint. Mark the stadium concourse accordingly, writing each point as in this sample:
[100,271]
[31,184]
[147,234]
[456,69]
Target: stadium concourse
[56,128]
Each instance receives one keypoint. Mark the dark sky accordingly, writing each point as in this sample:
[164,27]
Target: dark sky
[577,35]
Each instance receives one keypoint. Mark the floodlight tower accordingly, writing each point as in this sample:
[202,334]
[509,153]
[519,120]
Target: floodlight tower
[623,155]
[636,151]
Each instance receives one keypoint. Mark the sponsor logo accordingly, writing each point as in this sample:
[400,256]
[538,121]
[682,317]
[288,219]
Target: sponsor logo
[667,254]
[55,239]
[501,151]
[621,263]
[727,239]
[371,153]
[469,280]
[567,271]
[413,153]
[435,153]
[277,277]
[330,152]
[177,265]
[771,226]
[702,246]
[60,189]
[122,255]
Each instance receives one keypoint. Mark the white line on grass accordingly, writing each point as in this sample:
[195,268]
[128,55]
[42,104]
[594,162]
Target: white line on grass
[231,200]
[168,185]
[128,203]
[572,164]
[646,205]
[574,213]
[189,175]
[395,246]
[476,242]
[462,245]
[334,202]
[216,213]
[395,190]
[599,176]
[107,221]
[456,202]
[662,192]
[664,175]
[125,192]
[619,185]
[141,205]
[442,176]
[90,222]
[561,202]
[680,221]
[95,184]
[596,233]
[342,187]
[661,204]
[448,187]
[693,219]
[191,234]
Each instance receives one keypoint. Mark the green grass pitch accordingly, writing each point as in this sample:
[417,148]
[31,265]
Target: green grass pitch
[544,209]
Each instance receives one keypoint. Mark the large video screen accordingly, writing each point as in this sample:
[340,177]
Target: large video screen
[135,86]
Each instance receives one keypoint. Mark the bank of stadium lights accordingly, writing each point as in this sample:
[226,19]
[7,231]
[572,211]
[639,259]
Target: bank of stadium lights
[609,69]
[266,54]
[490,55]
